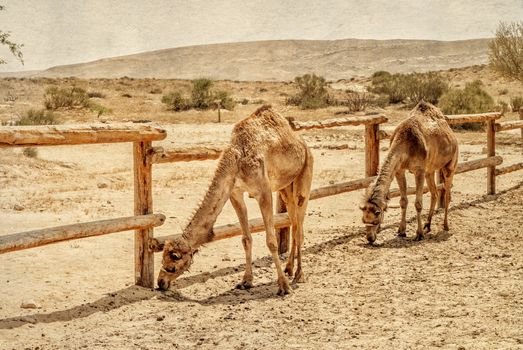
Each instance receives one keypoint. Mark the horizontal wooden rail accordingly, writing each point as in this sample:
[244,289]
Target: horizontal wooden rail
[478,164]
[159,155]
[36,238]
[52,135]
[509,125]
[509,169]
[329,123]
[472,118]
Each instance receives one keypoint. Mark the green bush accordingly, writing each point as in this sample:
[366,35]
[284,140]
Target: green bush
[74,97]
[176,102]
[312,92]
[516,103]
[357,101]
[37,117]
[415,86]
[201,95]
[225,100]
[471,99]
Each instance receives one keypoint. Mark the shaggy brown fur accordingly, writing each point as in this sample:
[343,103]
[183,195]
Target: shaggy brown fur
[422,144]
[264,156]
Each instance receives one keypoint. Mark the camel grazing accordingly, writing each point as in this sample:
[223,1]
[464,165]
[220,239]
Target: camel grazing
[422,144]
[264,156]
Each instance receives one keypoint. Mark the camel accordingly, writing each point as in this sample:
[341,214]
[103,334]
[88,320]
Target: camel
[264,156]
[422,144]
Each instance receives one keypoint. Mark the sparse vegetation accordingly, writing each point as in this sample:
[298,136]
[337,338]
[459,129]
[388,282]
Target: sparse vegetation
[312,92]
[176,102]
[14,48]
[516,103]
[414,87]
[202,97]
[30,152]
[357,101]
[506,50]
[37,117]
[471,99]
[95,94]
[74,97]
[155,91]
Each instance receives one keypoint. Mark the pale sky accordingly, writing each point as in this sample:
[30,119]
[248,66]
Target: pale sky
[58,32]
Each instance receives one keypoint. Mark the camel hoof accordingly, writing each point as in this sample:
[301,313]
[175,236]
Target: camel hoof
[402,234]
[244,285]
[419,237]
[446,227]
[284,287]
[299,277]
[288,270]
[426,227]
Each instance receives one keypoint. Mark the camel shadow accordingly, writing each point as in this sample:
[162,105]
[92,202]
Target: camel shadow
[134,294]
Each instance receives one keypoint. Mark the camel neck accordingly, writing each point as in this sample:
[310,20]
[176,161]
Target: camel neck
[380,189]
[199,229]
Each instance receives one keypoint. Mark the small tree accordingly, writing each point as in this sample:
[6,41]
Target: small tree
[16,49]
[201,95]
[312,92]
[506,50]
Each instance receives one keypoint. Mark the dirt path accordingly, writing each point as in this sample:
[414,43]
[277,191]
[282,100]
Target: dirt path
[461,289]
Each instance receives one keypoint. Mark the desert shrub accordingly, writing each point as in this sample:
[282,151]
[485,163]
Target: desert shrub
[244,101]
[380,101]
[30,152]
[357,101]
[176,102]
[201,95]
[155,91]
[424,86]
[415,86]
[384,83]
[258,102]
[502,106]
[95,94]
[516,103]
[506,50]
[312,92]
[74,97]
[37,117]
[225,99]
[471,99]
[99,109]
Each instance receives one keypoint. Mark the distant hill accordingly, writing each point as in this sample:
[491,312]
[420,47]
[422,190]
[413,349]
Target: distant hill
[284,59]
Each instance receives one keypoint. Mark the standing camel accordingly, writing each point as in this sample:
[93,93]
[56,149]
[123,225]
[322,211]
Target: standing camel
[422,144]
[264,156]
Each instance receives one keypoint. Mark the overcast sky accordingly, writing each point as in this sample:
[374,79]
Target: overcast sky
[56,32]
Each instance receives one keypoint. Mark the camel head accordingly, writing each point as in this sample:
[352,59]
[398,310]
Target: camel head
[372,218]
[177,257]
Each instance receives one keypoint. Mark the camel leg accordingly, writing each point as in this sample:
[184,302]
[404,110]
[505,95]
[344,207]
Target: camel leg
[429,177]
[291,211]
[265,202]
[448,175]
[420,177]
[301,194]
[402,184]
[238,204]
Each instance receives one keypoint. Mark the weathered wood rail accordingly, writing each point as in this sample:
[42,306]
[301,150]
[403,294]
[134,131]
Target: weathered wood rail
[145,156]
[143,221]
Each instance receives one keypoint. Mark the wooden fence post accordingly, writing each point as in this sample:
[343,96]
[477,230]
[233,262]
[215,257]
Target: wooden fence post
[491,151]
[143,204]
[521,118]
[372,149]
[283,234]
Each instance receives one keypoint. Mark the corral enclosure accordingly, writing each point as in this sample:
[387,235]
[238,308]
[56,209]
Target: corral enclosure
[347,300]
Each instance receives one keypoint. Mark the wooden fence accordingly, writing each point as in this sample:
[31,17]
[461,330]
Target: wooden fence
[145,156]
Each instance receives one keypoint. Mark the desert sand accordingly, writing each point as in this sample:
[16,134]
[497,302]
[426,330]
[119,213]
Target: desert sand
[461,289]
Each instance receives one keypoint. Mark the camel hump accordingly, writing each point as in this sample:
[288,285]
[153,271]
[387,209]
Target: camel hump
[262,109]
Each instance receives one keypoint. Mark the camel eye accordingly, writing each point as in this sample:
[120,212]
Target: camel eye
[175,255]
[377,212]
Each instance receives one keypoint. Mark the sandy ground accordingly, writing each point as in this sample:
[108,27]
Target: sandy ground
[461,289]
